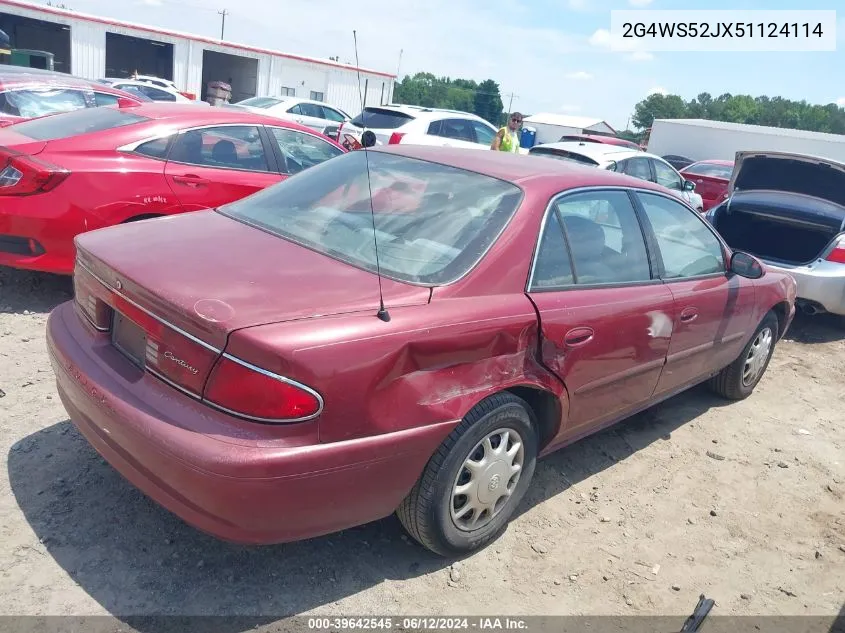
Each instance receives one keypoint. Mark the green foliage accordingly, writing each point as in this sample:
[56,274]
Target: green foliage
[771,111]
[424,89]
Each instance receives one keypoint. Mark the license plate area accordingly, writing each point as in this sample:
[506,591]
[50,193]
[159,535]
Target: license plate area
[129,339]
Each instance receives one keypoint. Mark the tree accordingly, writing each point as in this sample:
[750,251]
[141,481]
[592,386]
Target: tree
[761,110]
[427,90]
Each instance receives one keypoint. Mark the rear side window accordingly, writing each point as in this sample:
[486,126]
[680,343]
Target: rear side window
[103,99]
[155,149]
[35,103]
[381,119]
[69,124]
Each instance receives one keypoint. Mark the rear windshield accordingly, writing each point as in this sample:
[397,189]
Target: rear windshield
[68,124]
[433,223]
[709,169]
[563,155]
[380,119]
[260,102]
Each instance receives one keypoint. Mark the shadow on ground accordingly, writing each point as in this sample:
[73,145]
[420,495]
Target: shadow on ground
[33,292]
[817,328]
[133,557]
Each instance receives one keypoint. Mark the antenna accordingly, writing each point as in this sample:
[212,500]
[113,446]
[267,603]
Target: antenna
[382,314]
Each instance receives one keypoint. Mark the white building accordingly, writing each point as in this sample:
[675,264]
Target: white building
[550,127]
[93,47]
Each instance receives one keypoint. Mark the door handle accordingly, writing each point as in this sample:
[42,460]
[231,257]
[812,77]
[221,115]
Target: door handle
[688,315]
[578,336]
[190,179]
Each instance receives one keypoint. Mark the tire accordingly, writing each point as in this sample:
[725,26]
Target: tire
[730,383]
[427,512]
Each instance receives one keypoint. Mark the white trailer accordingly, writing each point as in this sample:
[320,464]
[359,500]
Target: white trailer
[699,139]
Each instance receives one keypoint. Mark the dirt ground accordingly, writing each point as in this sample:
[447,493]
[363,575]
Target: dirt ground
[742,502]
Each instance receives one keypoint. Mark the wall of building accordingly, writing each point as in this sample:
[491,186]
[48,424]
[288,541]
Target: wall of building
[339,86]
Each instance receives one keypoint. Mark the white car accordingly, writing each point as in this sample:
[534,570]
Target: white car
[155,93]
[415,125]
[626,161]
[314,114]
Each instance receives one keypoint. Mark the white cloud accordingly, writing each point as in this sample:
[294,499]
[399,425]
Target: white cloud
[640,56]
[579,76]
[841,101]
[639,3]
[658,90]
[604,39]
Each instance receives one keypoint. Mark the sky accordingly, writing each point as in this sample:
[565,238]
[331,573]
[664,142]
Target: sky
[553,55]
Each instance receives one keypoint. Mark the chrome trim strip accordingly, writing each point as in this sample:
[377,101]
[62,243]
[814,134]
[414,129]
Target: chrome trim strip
[269,374]
[161,377]
[150,314]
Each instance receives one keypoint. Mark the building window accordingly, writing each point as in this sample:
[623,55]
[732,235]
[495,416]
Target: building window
[288,92]
[316,96]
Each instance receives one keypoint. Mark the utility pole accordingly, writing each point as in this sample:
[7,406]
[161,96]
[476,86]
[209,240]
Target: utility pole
[399,65]
[223,13]
[510,103]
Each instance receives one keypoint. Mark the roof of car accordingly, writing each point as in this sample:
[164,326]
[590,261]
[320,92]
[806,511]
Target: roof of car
[190,114]
[421,111]
[50,79]
[595,151]
[519,169]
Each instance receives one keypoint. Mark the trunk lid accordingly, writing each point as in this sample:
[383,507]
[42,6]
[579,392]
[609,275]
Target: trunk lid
[209,275]
[802,174]
[20,143]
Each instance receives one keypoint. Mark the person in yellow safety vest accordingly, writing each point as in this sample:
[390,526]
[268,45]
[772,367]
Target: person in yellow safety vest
[507,139]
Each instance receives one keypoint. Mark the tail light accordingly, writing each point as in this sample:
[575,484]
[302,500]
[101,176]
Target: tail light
[837,255]
[24,175]
[237,387]
[395,138]
[87,295]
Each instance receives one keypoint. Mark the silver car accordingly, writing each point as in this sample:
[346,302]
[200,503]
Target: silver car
[789,210]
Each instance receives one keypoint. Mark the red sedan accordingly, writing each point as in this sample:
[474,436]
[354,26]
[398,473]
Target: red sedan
[250,369]
[711,178]
[74,172]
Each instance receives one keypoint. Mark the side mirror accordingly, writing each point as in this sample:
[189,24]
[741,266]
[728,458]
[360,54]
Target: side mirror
[746,265]
[689,185]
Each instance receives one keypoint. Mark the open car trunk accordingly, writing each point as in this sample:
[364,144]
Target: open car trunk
[784,208]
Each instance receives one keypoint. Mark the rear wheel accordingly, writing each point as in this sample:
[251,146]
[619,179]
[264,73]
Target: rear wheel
[738,380]
[474,482]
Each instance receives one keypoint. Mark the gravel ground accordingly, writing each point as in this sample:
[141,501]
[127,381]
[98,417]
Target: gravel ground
[742,502]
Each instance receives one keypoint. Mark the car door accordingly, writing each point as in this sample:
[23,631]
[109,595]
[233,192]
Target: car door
[666,176]
[457,132]
[711,183]
[297,151]
[311,115]
[605,316]
[211,166]
[712,309]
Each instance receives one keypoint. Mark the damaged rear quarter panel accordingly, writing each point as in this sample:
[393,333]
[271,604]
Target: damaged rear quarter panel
[429,364]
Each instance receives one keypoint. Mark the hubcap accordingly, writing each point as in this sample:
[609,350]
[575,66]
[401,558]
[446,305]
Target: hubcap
[757,357]
[487,479]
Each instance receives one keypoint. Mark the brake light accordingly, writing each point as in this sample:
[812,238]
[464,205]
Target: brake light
[837,255]
[86,291]
[24,175]
[395,138]
[250,392]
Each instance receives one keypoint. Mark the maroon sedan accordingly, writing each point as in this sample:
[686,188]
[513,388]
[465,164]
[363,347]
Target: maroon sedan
[249,369]
[711,178]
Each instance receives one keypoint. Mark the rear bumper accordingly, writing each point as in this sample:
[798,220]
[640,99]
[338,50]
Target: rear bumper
[46,219]
[248,486]
[822,283]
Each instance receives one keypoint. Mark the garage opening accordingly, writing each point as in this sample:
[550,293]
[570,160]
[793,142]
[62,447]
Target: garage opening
[239,72]
[126,54]
[34,36]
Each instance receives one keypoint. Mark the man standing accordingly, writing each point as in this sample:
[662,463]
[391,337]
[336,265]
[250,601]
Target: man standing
[507,140]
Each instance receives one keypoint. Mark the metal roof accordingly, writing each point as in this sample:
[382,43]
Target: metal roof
[757,129]
[74,15]
[565,120]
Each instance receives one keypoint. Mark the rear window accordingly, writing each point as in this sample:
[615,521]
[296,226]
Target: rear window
[708,169]
[68,124]
[259,102]
[563,155]
[39,102]
[433,222]
[380,119]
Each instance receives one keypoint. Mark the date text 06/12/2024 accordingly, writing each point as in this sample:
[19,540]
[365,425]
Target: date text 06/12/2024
[722,31]
[417,624]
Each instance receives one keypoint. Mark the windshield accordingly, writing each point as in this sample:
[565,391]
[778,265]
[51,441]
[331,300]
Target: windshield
[259,102]
[67,124]
[433,223]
